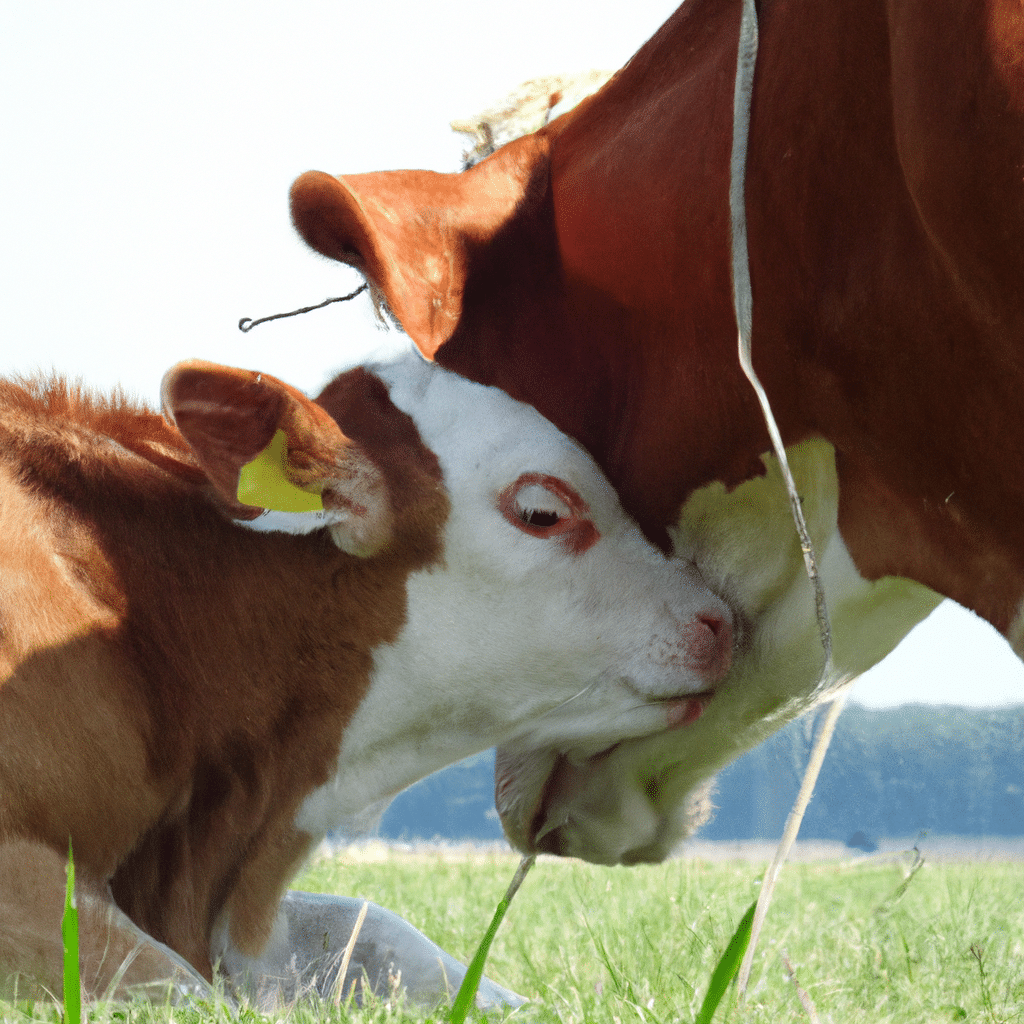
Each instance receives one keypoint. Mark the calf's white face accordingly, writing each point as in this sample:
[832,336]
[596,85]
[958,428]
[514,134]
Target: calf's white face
[549,622]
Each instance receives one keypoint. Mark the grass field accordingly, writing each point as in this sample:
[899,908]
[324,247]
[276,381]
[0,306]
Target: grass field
[594,945]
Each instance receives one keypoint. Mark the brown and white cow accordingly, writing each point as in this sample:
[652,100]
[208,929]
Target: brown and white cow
[586,269]
[195,703]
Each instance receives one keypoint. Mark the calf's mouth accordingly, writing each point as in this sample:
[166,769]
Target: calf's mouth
[528,783]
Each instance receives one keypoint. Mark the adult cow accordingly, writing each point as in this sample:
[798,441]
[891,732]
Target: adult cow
[586,270]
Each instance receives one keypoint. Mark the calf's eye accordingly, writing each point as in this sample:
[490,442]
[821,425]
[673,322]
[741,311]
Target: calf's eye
[538,506]
[544,506]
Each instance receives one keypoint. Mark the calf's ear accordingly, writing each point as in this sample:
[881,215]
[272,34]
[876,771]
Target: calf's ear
[266,447]
[418,235]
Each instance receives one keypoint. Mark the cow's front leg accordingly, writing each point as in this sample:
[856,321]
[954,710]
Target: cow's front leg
[306,950]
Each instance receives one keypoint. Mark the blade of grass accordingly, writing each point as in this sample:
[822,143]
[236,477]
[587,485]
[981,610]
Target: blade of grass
[805,1000]
[727,966]
[69,935]
[471,982]
[901,889]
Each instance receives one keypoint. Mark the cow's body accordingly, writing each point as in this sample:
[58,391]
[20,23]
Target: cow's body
[195,704]
[586,269]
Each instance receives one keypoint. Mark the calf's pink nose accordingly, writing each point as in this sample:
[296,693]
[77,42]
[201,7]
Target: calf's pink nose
[708,639]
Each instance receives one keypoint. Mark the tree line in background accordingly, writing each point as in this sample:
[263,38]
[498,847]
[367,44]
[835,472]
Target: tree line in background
[948,770]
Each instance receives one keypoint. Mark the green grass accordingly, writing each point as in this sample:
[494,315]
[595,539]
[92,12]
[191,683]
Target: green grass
[465,997]
[639,944]
[69,938]
[615,946]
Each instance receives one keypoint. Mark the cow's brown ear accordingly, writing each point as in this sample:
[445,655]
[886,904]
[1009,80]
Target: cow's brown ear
[415,234]
[266,447]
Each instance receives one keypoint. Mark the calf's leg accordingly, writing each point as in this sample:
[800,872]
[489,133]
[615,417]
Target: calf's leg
[306,951]
[117,959]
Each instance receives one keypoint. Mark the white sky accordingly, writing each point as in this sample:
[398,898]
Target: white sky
[146,152]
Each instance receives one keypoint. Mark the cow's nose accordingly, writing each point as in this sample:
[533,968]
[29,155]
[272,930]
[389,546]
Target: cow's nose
[709,645]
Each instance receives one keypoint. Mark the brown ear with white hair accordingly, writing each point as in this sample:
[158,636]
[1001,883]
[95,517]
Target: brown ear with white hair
[265,446]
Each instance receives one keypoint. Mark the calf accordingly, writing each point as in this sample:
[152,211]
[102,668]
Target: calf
[432,569]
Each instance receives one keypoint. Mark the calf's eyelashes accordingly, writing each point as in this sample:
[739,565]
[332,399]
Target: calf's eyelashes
[545,506]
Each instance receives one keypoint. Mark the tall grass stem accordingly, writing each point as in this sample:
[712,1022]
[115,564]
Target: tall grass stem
[471,982]
[69,937]
[346,956]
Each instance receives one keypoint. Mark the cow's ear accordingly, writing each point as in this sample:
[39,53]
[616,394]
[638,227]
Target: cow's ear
[416,234]
[266,447]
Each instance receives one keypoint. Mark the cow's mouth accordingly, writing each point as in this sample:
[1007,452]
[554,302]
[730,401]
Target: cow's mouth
[528,784]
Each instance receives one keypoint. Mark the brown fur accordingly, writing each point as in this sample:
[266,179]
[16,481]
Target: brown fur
[886,215]
[171,686]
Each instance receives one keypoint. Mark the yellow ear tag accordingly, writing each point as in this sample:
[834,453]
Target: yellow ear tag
[262,482]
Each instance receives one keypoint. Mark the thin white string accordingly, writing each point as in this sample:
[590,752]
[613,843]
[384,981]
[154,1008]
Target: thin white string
[743,301]
[789,834]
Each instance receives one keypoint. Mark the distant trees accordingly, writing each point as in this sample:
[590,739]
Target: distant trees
[953,770]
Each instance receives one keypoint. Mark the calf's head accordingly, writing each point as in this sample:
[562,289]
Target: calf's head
[536,614]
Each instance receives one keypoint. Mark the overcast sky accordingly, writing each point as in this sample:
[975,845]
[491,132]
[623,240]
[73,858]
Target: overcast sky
[146,152]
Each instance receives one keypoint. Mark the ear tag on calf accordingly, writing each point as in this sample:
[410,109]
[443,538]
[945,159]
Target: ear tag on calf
[262,482]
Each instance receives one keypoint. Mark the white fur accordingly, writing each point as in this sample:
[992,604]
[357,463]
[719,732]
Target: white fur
[304,952]
[289,522]
[514,637]
[745,545]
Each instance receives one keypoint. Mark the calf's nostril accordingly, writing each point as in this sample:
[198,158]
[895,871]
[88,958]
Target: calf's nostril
[716,623]
[709,639]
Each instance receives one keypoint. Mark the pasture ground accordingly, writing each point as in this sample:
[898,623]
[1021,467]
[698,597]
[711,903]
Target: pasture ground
[594,945]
